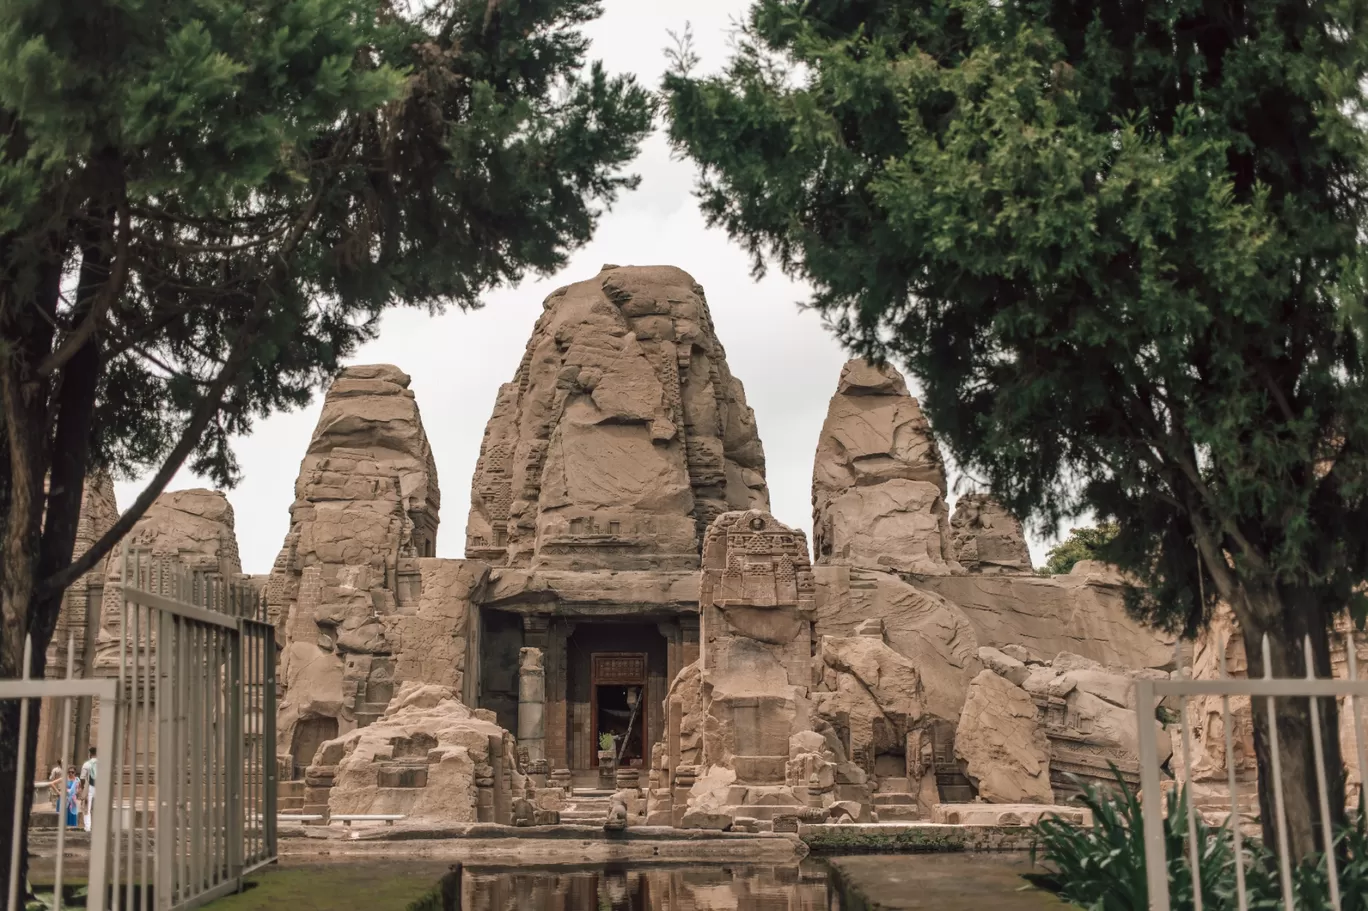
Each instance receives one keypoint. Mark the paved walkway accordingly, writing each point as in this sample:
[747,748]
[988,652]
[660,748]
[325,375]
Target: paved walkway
[943,882]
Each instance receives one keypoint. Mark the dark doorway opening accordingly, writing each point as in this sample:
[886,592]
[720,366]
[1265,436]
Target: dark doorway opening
[618,713]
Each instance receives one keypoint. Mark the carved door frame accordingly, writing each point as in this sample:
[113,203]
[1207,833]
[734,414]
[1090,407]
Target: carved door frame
[617,679]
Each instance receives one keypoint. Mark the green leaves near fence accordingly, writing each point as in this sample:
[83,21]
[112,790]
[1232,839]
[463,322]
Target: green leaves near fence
[1103,868]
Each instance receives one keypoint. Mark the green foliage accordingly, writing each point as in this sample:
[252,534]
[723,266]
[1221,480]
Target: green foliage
[1081,544]
[1103,868]
[1118,245]
[606,741]
[267,177]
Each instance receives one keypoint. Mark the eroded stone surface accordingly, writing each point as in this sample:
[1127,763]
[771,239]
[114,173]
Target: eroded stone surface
[878,483]
[622,435]
[985,538]
[360,602]
[191,527]
[428,758]
[1002,743]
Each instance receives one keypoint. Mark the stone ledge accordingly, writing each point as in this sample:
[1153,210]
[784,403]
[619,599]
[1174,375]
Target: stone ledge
[484,830]
[912,838]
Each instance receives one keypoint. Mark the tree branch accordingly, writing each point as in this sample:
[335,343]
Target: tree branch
[199,420]
[112,288]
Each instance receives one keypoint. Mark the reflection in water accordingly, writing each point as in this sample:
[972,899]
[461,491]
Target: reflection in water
[651,889]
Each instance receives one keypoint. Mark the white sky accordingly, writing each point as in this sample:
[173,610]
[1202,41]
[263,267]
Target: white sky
[786,359]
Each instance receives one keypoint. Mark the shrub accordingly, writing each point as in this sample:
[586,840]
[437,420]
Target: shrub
[1103,868]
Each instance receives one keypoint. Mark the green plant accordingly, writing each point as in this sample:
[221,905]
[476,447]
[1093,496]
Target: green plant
[606,742]
[1121,249]
[1081,544]
[1103,868]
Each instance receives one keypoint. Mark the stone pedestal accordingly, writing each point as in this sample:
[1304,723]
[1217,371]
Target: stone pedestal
[532,703]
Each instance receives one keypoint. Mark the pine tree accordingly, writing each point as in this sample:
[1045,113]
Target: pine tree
[1119,244]
[206,206]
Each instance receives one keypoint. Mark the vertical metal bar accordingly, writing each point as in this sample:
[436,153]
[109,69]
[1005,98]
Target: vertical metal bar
[184,657]
[1152,799]
[116,779]
[1322,793]
[268,738]
[57,876]
[128,752]
[100,824]
[1284,862]
[20,781]
[195,718]
[1236,834]
[1355,709]
[211,753]
[233,738]
[1194,850]
[166,763]
[251,851]
[146,725]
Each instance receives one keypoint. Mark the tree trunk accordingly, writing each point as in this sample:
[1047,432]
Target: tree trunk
[1288,618]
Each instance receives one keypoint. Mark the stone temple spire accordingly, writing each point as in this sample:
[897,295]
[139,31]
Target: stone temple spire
[622,435]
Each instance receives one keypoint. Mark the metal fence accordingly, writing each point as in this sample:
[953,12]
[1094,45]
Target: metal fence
[186,801]
[1150,693]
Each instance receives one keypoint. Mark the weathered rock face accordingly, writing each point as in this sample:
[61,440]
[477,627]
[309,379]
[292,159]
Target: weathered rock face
[756,607]
[1002,743]
[428,758]
[1081,613]
[878,483]
[194,527]
[986,538]
[1083,712]
[359,601]
[622,435]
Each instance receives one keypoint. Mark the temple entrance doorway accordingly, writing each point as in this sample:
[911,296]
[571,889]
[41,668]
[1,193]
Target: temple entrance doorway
[615,681]
[617,702]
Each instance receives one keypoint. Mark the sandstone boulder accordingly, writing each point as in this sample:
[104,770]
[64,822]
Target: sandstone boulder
[622,435]
[986,538]
[878,483]
[1002,743]
[427,758]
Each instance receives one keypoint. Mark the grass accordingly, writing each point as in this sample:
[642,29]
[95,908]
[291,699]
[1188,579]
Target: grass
[365,886]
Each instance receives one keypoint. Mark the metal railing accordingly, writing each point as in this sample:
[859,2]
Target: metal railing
[60,696]
[187,799]
[1150,693]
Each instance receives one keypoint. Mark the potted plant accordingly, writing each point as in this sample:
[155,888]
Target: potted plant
[607,759]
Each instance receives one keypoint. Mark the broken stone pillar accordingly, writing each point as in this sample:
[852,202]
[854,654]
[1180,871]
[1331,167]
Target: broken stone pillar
[532,703]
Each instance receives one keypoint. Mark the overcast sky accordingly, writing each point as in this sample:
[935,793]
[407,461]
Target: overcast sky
[786,359]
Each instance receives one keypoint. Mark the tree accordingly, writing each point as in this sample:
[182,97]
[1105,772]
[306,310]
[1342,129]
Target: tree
[1117,244]
[205,206]
[1081,544]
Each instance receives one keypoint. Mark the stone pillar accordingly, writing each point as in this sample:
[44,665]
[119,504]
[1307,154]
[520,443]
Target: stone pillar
[688,630]
[532,703]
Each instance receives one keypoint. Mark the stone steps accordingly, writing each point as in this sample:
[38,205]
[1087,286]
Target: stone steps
[586,806]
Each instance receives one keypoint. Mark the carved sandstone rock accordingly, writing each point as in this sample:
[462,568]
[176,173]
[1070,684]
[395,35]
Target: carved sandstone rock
[427,758]
[987,538]
[193,527]
[878,483]
[622,435]
[1002,743]
[362,603]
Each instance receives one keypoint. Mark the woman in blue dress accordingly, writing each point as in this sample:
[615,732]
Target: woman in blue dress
[73,784]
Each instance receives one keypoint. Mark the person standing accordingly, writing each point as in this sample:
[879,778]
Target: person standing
[56,784]
[73,790]
[88,775]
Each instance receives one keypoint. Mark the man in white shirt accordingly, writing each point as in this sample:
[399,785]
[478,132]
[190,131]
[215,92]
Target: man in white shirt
[88,775]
